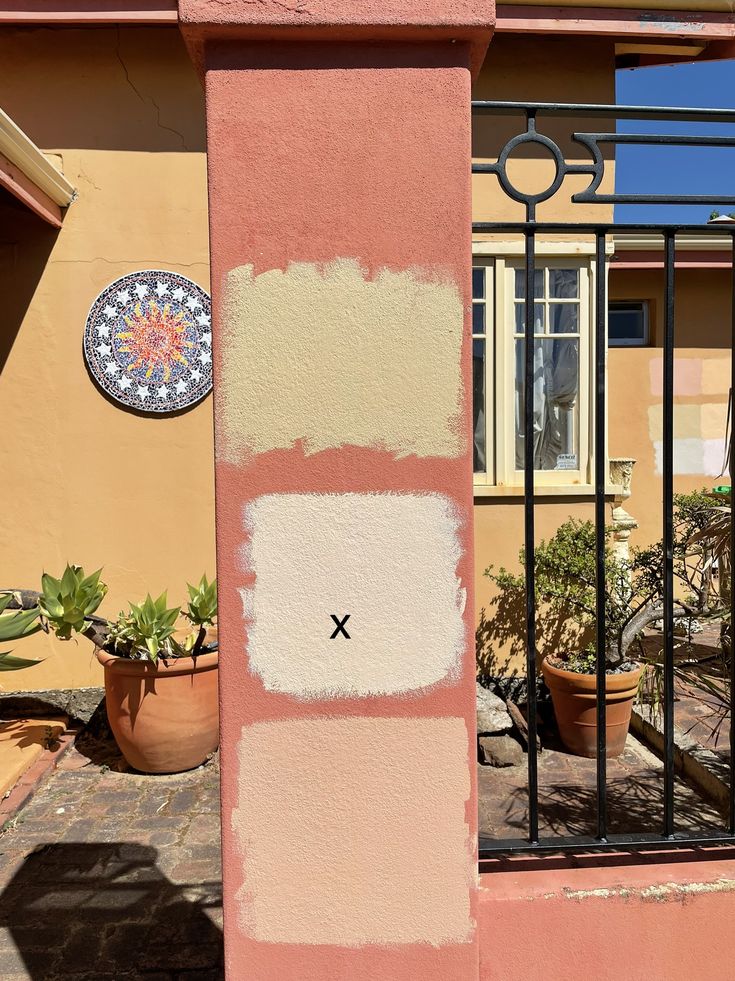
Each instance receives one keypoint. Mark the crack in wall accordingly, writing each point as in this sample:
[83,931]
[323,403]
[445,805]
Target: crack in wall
[147,98]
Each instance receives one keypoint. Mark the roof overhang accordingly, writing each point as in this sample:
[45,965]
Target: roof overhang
[656,34]
[30,176]
[646,251]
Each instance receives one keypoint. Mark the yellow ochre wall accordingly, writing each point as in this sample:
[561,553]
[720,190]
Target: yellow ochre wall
[83,479]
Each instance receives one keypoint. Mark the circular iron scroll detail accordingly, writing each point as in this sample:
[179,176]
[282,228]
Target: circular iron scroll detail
[559,162]
[148,341]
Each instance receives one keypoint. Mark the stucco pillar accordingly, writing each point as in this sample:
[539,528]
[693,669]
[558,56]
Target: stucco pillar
[339,184]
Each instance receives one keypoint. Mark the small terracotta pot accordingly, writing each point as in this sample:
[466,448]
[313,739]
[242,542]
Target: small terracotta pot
[164,716]
[575,707]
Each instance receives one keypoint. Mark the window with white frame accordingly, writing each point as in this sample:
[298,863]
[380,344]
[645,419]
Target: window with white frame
[561,357]
[627,324]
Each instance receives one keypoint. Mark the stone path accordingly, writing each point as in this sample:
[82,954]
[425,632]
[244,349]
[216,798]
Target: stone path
[568,797]
[109,876]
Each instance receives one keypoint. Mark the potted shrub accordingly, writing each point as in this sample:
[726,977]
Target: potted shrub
[160,683]
[565,596]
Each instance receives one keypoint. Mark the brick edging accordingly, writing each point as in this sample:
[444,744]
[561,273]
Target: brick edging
[36,775]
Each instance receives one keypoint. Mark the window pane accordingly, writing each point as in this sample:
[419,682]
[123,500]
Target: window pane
[478,404]
[563,283]
[627,323]
[564,318]
[538,283]
[556,404]
[538,318]
[478,318]
[478,282]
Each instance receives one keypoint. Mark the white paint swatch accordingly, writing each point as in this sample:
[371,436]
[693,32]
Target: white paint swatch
[693,457]
[389,560]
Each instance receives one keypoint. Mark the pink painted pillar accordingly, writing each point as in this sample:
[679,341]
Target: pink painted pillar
[339,183]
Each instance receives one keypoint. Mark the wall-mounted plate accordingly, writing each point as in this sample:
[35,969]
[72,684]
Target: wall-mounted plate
[148,341]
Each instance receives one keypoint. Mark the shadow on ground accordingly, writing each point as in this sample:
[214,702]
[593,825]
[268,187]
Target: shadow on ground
[106,912]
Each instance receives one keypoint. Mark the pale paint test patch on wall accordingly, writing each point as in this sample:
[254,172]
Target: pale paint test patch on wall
[325,355]
[698,438]
[389,560]
[384,854]
[687,376]
[716,376]
[693,457]
[705,421]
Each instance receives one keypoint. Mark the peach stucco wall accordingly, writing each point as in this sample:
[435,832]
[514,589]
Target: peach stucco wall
[649,917]
[335,495]
[82,479]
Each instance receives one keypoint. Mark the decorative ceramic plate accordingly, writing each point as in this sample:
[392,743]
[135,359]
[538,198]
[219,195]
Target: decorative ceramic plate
[148,341]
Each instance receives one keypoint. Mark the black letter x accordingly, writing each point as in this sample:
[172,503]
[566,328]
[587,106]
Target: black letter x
[340,628]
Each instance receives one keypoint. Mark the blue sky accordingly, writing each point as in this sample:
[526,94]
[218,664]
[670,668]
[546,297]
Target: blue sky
[662,170]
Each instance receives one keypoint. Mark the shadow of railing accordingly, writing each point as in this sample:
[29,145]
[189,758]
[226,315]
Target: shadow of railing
[634,805]
[106,912]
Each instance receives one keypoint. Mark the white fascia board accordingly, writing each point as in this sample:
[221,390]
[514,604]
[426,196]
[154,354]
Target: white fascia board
[23,153]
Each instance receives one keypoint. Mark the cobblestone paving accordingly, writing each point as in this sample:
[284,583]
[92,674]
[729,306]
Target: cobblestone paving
[568,795]
[108,876]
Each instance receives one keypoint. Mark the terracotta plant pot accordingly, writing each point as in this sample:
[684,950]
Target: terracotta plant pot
[575,707]
[164,716]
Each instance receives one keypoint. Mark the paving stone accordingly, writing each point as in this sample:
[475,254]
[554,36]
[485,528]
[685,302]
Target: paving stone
[501,750]
[86,887]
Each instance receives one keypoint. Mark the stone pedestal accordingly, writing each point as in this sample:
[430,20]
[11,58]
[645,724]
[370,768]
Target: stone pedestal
[339,181]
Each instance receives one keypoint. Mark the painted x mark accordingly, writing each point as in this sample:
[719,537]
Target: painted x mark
[340,628]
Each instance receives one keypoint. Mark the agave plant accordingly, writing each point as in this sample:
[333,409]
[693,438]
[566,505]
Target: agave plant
[14,626]
[146,630]
[202,607]
[68,603]
[201,612]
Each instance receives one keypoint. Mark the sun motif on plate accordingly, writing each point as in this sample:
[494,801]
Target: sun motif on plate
[156,338]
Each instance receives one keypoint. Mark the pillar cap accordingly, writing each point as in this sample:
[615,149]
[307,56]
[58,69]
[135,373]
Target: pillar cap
[468,21]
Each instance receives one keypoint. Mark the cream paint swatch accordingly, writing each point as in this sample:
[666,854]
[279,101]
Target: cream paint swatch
[716,376]
[324,355]
[384,853]
[705,421]
[389,560]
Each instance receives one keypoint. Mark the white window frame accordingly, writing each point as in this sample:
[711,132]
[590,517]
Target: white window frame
[501,259]
[487,479]
[629,341]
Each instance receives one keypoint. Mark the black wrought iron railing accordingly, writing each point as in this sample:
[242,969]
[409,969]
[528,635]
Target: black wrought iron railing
[534,115]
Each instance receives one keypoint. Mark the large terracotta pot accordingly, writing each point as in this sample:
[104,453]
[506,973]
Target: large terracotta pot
[164,716]
[575,707]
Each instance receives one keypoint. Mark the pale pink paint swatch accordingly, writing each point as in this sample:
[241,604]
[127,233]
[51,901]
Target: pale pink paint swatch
[384,853]
[687,376]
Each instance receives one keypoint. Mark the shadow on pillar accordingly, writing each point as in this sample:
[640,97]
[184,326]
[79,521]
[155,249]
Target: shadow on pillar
[106,912]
